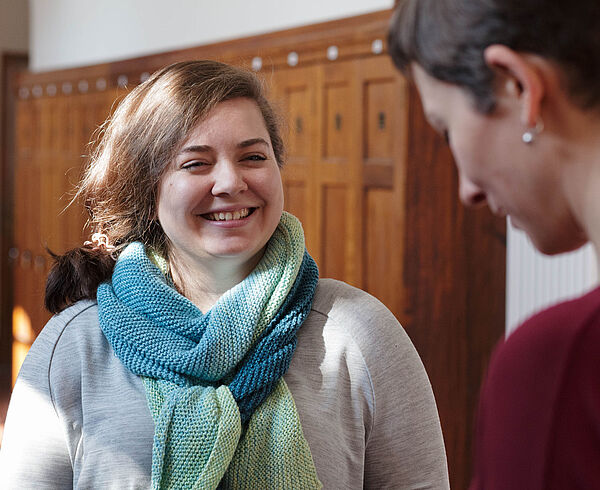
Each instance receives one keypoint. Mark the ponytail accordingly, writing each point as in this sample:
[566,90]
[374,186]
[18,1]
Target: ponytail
[76,275]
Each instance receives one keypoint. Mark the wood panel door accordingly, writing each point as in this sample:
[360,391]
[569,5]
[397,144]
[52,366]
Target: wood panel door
[52,142]
[344,172]
[294,95]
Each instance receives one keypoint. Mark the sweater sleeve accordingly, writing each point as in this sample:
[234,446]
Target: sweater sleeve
[34,451]
[405,447]
[403,442]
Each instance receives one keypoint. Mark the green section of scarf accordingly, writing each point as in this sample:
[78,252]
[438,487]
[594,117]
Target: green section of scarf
[201,442]
[201,439]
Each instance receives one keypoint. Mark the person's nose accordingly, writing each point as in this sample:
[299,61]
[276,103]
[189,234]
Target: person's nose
[228,179]
[471,194]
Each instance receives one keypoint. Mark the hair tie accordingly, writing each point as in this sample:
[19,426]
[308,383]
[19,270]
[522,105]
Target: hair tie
[99,242]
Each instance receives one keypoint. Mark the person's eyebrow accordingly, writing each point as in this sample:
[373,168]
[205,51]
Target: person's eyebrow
[251,142]
[207,148]
[196,149]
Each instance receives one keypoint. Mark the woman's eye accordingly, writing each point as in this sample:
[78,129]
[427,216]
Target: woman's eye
[193,165]
[255,158]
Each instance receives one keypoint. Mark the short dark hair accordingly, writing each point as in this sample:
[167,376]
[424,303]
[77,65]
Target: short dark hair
[447,38]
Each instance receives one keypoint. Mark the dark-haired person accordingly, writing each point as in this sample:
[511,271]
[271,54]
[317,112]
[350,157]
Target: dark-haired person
[515,88]
[169,368]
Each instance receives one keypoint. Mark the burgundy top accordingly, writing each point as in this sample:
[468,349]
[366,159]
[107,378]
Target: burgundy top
[539,414]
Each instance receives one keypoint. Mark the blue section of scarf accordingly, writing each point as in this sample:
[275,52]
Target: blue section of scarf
[158,333]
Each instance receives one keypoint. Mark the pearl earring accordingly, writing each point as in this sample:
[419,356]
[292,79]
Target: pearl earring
[529,135]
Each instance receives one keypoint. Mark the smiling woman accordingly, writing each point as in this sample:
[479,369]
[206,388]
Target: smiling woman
[220,199]
[194,345]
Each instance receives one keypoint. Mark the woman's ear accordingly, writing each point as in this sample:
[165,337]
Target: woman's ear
[523,80]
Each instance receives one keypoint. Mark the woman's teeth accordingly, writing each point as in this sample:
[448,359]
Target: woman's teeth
[239,214]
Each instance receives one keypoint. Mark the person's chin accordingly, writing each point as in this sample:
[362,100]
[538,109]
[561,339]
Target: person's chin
[549,245]
[550,240]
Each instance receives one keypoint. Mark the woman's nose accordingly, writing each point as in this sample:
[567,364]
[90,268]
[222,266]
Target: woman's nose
[471,194]
[228,179]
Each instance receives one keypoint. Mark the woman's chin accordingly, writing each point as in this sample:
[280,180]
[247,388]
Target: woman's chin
[558,244]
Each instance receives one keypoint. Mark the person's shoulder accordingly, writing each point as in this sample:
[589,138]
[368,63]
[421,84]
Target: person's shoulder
[546,341]
[77,312]
[359,315]
[74,320]
[556,327]
[58,339]
[341,301]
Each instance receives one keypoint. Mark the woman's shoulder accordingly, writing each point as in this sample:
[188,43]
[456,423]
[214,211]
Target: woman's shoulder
[62,337]
[341,301]
[80,312]
[558,329]
[72,323]
[541,355]
[360,316]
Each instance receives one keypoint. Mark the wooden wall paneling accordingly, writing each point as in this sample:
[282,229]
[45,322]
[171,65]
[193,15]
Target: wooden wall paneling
[71,218]
[81,121]
[50,165]
[383,96]
[339,173]
[456,309]
[294,94]
[36,193]
[12,64]
[26,226]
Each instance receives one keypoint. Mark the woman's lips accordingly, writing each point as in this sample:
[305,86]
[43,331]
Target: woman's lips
[233,215]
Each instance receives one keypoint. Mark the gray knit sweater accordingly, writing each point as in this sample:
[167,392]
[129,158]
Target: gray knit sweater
[79,419]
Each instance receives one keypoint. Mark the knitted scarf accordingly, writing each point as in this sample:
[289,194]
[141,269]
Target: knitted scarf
[224,417]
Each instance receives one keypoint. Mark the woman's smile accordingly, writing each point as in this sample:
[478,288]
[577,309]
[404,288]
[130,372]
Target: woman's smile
[225,215]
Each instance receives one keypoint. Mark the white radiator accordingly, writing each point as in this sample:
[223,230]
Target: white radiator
[535,281]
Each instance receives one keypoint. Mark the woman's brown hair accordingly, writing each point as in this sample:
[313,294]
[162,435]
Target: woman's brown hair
[120,185]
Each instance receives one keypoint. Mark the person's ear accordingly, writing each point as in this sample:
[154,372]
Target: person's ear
[523,80]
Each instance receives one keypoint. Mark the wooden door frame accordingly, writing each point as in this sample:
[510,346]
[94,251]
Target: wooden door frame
[12,63]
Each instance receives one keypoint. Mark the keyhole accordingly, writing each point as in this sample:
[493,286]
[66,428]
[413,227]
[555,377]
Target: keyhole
[298,125]
[381,120]
[338,122]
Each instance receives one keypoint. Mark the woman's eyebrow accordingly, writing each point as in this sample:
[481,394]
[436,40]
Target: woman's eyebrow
[196,149]
[253,141]
[207,148]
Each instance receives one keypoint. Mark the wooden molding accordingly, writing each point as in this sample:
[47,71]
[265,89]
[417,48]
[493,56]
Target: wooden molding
[12,63]
[358,36]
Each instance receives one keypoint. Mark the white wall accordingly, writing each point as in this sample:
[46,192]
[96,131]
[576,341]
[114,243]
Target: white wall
[69,33]
[535,281]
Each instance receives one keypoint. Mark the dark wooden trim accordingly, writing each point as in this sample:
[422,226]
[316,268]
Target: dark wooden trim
[12,63]
[354,37]
[455,262]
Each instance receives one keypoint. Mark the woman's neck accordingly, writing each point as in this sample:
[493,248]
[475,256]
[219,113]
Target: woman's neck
[203,283]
